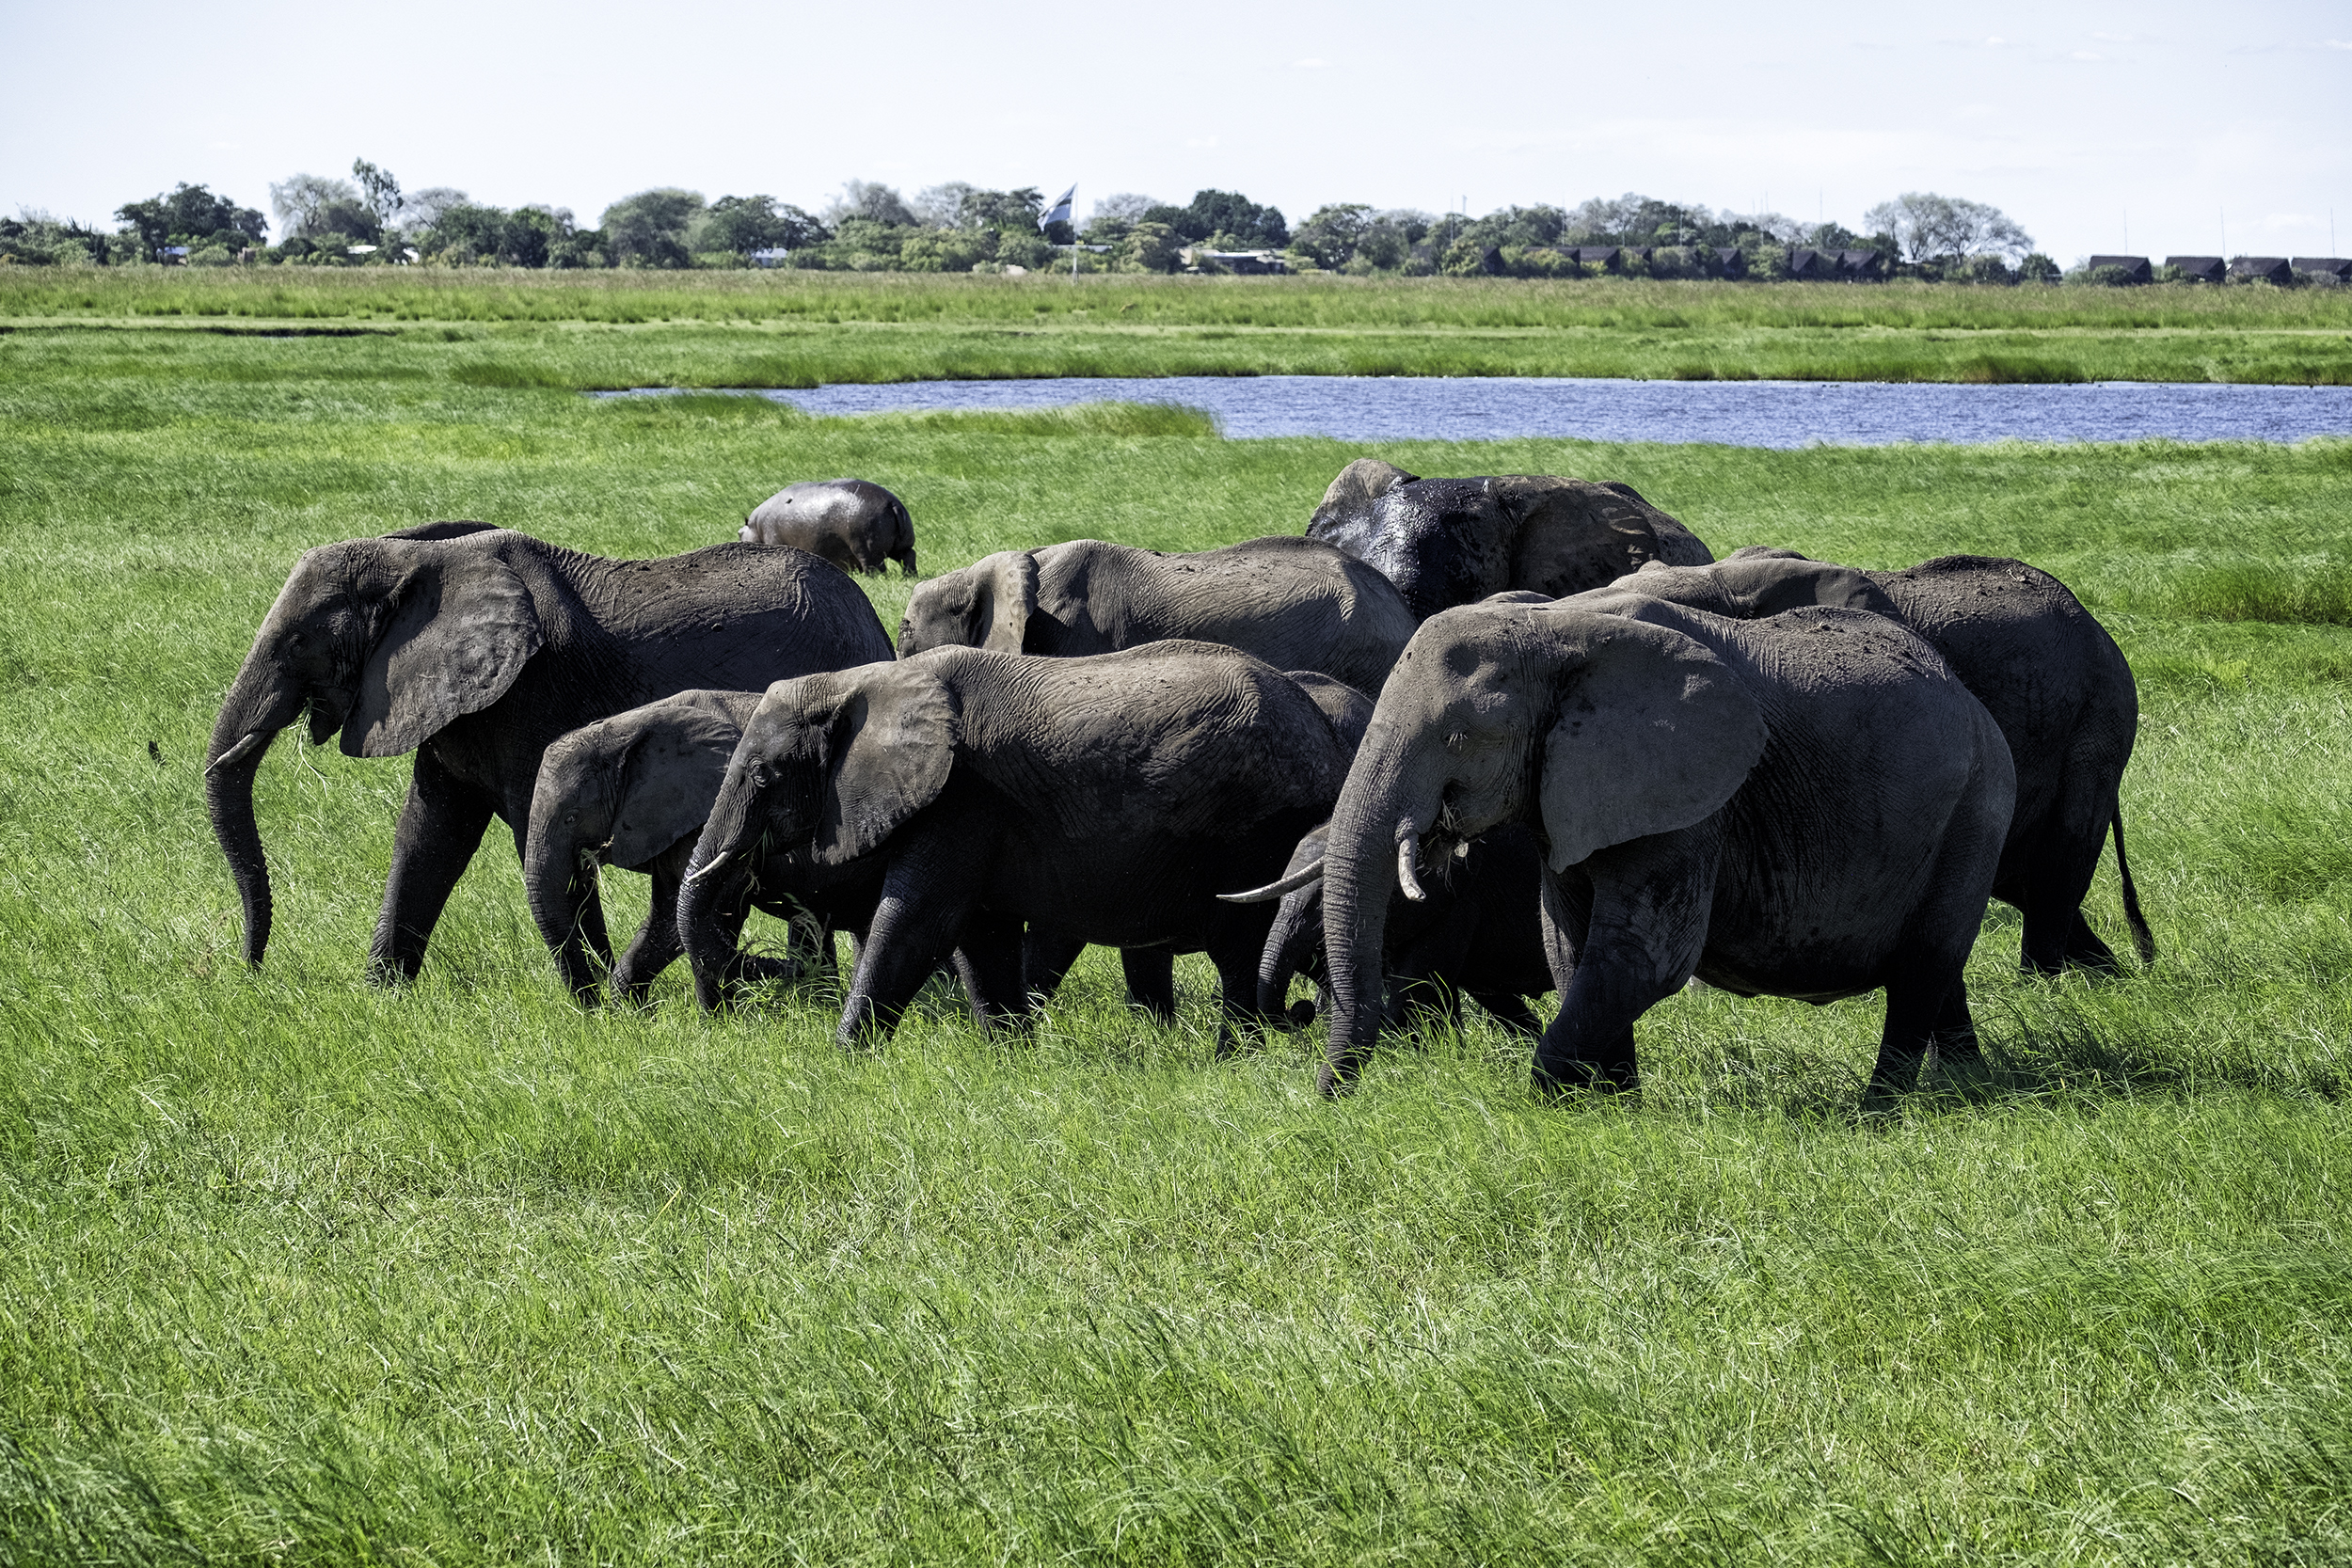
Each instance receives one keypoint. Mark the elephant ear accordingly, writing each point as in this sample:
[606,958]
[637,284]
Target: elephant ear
[1002,610]
[1655,734]
[459,634]
[890,753]
[669,778]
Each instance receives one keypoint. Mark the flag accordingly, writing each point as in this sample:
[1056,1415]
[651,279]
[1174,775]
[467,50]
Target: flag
[1059,211]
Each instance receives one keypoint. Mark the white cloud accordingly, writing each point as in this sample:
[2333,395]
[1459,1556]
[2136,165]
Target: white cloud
[1312,63]
[2085,54]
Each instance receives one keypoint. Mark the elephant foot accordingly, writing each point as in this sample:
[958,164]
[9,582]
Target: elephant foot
[1574,1078]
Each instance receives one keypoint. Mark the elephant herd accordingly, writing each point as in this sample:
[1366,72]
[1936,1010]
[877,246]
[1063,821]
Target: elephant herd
[1482,738]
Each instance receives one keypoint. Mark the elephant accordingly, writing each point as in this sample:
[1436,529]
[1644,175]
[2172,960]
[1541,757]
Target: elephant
[1476,934]
[1047,954]
[475,648]
[1446,542]
[1107,798]
[1296,604]
[1809,805]
[855,524]
[2048,673]
[632,791]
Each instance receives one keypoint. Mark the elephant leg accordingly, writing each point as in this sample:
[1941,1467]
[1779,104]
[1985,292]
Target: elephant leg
[1510,1011]
[1926,1022]
[1150,980]
[656,945]
[989,959]
[440,828]
[1046,956]
[1643,936]
[930,893]
[1234,946]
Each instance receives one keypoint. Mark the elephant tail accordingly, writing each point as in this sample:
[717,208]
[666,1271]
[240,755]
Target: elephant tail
[2141,937]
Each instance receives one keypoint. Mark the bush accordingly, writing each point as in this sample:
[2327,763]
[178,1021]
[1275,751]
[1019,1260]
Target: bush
[212,256]
[2101,278]
[946,250]
[2038,268]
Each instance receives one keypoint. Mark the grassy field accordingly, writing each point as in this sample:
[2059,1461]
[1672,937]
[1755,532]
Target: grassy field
[610,329]
[299,1271]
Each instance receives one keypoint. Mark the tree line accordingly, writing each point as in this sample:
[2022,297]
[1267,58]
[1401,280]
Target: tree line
[368,219]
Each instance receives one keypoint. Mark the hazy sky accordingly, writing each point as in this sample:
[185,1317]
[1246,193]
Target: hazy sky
[2075,118]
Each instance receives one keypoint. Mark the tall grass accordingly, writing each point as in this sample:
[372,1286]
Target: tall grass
[795,329]
[300,1271]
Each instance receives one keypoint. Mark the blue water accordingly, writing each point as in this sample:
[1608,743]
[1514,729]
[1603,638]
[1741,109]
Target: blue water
[1734,413]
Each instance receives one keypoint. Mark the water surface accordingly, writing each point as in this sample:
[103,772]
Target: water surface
[1734,413]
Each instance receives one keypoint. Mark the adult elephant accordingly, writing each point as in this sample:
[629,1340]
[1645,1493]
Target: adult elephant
[1109,797]
[1294,603]
[1473,933]
[1446,542]
[854,523]
[2052,679]
[475,648]
[1807,806]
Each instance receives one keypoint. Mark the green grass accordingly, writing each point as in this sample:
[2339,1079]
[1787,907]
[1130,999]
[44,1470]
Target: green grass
[782,329]
[298,1271]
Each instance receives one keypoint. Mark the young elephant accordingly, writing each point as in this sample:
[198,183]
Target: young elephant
[1475,933]
[1448,542]
[2052,678]
[632,791]
[477,647]
[1110,798]
[1293,603]
[1809,805]
[853,523]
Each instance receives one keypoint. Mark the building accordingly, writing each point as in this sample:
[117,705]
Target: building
[2335,269]
[2134,268]
[774,258]
[1608,258]
[2196,269]
[1837,266]
[2261,269]
[1729,261]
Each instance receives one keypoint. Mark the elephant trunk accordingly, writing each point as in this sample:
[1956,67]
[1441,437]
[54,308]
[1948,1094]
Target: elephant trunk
[717,883]
[1378,809]
[251,716]
[560,882]
[1292,947]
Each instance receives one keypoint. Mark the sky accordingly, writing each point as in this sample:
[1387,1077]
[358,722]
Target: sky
[2149,129]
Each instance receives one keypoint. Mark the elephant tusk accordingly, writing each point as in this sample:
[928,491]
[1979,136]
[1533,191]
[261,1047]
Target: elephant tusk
[708,867]
[1272,891]
[1407,866]
[241,750]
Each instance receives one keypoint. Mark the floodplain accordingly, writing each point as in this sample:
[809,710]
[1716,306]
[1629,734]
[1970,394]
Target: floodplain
[297,1270]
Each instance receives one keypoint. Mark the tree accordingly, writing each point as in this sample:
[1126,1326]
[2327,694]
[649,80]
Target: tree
[1152,247]
[871,201]
[1329,238]
[648,230]
[1229,212]
[190,213]
[1927,227]
[308,205]
[379,191]
[422,210]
